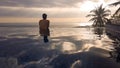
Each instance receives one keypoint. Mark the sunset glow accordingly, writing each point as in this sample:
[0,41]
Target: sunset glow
[60,11]
[87,6]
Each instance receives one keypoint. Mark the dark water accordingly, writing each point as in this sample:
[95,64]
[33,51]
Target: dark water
[70,46]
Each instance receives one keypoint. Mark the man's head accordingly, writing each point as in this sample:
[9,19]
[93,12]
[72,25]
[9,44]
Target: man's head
[44,16]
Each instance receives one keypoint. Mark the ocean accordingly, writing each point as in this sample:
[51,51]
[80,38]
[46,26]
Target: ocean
[56,29]
[22,42]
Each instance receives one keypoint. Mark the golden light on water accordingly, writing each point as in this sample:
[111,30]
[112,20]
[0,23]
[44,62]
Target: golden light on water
[85,24]
[68,46]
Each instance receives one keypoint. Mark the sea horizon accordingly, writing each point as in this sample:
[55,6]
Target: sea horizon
[34,24]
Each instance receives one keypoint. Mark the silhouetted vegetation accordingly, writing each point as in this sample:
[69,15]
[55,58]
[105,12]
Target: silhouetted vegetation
[99,31]
[99,15]
[117,12]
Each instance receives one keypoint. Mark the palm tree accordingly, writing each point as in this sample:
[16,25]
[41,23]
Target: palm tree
[99,16]
[115,3]
[118,10]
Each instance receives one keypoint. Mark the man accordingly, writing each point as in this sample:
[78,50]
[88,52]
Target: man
[44,27]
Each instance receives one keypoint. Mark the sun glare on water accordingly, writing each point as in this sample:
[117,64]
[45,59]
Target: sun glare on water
[85,24]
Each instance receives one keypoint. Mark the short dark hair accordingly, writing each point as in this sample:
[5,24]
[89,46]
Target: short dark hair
[44,15]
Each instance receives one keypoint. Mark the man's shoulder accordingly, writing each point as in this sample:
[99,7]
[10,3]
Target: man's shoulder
[43,21]
[47,20]
[40,20]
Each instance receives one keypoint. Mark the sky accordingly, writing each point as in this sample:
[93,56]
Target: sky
[57,10]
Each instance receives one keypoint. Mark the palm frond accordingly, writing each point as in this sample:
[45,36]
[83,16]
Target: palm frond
[105,15]
[91,15]
[98,15]
[115,4]
[107,11]
[94,10]
[93,19]
[117,11]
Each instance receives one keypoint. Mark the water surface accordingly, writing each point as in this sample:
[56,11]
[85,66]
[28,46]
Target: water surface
[68,46]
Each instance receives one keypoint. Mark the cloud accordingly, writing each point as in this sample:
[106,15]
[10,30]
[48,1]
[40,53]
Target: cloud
[40,3]
[14,12]
[34,8]
[36,12]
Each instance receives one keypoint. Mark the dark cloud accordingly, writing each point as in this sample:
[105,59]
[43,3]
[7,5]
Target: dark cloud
[29,12]
[40,3]
[7,7]
[22,12]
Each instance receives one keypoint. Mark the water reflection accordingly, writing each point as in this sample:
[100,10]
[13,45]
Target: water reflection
[115,51]
[76,64]
[81,41]
[68,46]
[71,48]
[99,31]
[87,54]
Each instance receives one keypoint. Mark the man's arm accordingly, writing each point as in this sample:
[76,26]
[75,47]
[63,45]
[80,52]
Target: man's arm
[39,26]
[48,24]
